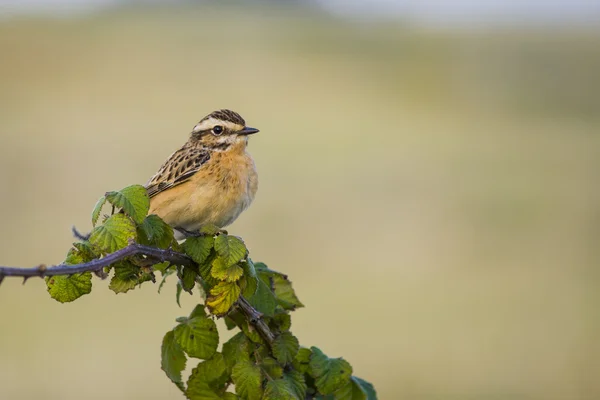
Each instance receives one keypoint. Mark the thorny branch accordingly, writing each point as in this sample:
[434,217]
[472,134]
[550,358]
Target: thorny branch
[159,255]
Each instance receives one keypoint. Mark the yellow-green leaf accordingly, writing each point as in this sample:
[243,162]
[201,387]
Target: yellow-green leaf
[155,232]
[199,248]
[211,374]
[133,200]
[114,234]
[247,378]
[68,288]
[173,359]
[285,347]
[198,337]
[127,276]
[330,374]
[221,271]
[97,210]
[230,248]
[222,297]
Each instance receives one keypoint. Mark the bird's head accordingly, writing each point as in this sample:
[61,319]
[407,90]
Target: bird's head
[221,129]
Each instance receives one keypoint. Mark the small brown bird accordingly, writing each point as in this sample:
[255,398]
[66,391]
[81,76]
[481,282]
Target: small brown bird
[210,180]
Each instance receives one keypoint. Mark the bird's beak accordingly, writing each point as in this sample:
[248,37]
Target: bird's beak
[248,131]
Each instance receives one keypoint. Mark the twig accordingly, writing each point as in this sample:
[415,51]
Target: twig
[95,265]
[255,318]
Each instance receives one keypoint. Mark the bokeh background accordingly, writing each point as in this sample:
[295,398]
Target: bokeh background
[429,179]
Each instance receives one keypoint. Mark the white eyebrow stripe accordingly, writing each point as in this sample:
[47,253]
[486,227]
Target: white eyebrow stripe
[209,123]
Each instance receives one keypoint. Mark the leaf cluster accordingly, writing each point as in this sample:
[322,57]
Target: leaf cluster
[264,360]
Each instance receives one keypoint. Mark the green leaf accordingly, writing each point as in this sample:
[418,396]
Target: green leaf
[85,252]
[302,360]
[133,200]
[247,378]
[178,293]
[221,271]
[200,390]
[97,210]
[114,234]
[279,389]
[68,288]
[296,382]
[271,368]
[199,248]
[210,229]
[249,281]
[198,337]
[210,374]
[230,248]
[187,277]
[264,300]
[155,232]
[166,274]
[230,396]
[127,276]
[173,359]
[285,293]
[198,311]
[285,347]
[360,386]
[236,349]
[222,297]
[281,322]
[330,374]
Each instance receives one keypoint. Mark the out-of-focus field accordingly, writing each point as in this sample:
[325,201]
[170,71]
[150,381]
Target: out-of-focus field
[433,195]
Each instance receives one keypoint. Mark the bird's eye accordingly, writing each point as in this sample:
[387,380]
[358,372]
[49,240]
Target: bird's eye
[217,130]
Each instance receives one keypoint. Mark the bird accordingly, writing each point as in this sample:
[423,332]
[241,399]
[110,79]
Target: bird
[210,180]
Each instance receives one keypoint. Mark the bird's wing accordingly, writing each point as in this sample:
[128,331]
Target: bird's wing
[178,168]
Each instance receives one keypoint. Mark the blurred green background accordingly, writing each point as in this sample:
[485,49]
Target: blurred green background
[432,191]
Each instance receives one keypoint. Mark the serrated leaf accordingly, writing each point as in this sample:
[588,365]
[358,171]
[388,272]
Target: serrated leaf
[127,276]
[330,374]
[199,248]
[173,359]
[279,389]
[271,367]
[187,277]
[247,378]
[302,360]
[65,289]
[296,382]
[264,300]
[85,251]
[133,200]
[198,337]
[236,349]
[363,386]
[97,210]
[155,232]
[200,390]
[211,374]
[114,234]
[222,297]
[198,311]
[285,347]
[281,322]
[285,293]
[230,249]
[210,229]
[221,271]
[249,280]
